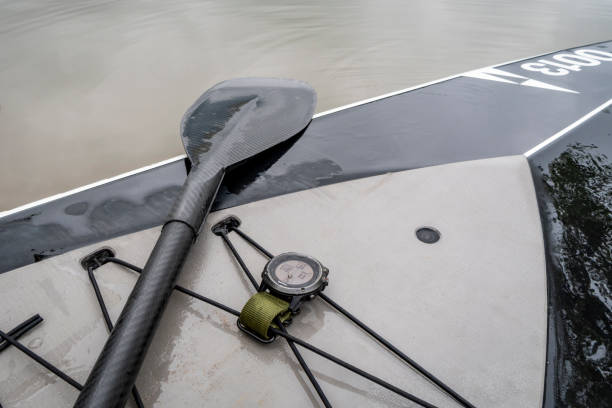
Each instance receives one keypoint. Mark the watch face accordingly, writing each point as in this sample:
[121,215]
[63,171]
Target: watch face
[293,274]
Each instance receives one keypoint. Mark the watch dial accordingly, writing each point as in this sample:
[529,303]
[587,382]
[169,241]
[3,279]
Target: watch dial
[294,272]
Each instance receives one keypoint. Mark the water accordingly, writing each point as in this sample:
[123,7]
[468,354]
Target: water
[91,89]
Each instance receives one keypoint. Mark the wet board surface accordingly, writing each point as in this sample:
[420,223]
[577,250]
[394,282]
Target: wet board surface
[470,308]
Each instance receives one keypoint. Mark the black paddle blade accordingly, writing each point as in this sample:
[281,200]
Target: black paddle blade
[238,118]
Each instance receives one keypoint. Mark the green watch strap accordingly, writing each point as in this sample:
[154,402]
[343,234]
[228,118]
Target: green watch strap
[260,310]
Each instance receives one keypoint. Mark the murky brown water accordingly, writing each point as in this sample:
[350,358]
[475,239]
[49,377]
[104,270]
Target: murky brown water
[90,89]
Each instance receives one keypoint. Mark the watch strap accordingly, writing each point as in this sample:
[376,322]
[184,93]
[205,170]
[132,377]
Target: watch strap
[260,311]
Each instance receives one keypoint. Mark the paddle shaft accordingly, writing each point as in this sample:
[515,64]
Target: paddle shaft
[115,371]
[230,123]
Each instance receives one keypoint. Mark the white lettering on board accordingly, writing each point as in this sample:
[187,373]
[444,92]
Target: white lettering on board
[565,63]
[497,75]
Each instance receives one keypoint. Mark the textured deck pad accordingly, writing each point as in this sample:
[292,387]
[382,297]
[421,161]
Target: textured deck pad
[470,308]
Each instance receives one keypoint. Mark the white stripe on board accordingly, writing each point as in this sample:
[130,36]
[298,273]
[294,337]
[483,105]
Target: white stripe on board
[92,185]
[568,128]
[401,91]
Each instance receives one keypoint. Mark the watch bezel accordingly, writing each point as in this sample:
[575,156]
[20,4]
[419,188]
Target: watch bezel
[290,290]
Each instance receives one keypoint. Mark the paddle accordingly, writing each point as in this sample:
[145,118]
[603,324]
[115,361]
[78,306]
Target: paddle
[229,123]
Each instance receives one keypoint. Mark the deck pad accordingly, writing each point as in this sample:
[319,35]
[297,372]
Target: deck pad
[470,308]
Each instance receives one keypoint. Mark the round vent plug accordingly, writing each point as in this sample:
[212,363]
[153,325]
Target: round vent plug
[428,235]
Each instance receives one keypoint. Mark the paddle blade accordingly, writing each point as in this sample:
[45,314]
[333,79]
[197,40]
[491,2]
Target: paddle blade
[239,118]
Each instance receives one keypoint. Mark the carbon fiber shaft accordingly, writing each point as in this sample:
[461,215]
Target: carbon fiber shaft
[115,371]
[230,123]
